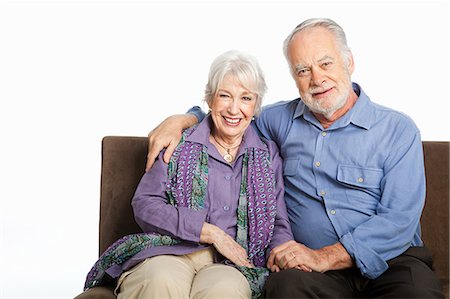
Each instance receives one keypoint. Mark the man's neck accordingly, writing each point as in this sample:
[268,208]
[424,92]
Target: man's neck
[327,122]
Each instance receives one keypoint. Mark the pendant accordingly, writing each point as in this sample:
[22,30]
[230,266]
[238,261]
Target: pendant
[228,157]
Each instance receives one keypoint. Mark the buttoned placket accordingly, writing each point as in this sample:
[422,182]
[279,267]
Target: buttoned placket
[321,186]
[317,164]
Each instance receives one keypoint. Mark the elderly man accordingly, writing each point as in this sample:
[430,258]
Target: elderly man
[354,180]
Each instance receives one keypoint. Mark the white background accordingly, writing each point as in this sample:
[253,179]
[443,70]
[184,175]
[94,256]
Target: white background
[72,72]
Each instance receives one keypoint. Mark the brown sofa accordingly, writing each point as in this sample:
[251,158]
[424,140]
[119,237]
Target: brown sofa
[123,163]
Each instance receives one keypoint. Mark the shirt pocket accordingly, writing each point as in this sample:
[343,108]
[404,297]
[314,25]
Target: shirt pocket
[290,167]
[360,177]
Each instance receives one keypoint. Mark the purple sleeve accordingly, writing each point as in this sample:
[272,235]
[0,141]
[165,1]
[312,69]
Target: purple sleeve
[282,231]
[153,213]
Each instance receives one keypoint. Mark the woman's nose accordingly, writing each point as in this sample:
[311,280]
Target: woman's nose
[233,107]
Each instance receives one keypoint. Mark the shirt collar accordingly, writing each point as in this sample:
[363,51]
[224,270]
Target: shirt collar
[202,132]
[361,114]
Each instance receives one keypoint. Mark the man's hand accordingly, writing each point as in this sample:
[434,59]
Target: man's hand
[295,255]
[224,244]
[167,135]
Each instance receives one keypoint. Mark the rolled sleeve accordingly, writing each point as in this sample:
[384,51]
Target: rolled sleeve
[197,112]
[398,212]
[369,262]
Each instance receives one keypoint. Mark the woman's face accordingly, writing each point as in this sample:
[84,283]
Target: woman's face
[232,108]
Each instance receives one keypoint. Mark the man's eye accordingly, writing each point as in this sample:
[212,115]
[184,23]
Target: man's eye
[327,64]
[302,72]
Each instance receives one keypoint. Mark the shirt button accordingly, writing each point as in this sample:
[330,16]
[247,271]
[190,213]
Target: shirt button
[324,134]
[226,208]
[227,177]
[333,212]
[360,180]
[322,193]
[317,163]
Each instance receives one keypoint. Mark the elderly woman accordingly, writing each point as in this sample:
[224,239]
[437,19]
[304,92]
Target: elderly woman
[212,215]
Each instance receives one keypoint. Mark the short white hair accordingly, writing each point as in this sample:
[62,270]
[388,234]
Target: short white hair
[329,25]
[244,67]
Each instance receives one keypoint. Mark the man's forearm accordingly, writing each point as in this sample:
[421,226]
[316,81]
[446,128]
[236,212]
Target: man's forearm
[189,120]
[336,256]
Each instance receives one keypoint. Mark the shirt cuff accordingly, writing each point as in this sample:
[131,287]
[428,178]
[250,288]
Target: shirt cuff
[191,223]
[197,112]
[369,263]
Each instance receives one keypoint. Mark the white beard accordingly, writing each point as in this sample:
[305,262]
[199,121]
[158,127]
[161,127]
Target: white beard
[320,106]
[326,110]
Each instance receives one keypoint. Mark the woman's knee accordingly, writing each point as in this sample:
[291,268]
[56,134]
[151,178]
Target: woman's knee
[220,281]
[154,278]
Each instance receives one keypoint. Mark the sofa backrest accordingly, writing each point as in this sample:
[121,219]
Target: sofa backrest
[123,164]
[435,221]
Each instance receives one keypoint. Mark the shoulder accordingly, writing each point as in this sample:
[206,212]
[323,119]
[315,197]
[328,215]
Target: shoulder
[276,119]
[382,117]
[284,107]
[397,121]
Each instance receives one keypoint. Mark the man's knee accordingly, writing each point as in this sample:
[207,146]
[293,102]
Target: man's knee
[289,283]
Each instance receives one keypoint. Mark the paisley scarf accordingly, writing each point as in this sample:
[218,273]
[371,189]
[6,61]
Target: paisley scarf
[187,187]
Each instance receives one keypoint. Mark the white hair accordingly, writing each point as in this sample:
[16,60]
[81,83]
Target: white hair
[244,67]
[328,24]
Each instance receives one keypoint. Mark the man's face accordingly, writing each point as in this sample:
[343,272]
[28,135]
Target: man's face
[320,71]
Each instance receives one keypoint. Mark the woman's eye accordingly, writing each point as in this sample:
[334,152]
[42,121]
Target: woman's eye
[222,95]
[247,98]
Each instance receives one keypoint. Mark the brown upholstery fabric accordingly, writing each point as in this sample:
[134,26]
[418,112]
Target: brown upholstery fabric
[435,222]
[123,164]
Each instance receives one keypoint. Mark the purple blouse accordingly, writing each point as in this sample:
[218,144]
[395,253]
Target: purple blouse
[154,214]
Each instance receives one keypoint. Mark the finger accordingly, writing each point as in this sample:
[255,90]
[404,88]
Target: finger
[169,151]
[151,157]
[240,260]
[306,269]
[271,260]
[276,254]
[289,260]
[246,263]
[283,258]
[275,268]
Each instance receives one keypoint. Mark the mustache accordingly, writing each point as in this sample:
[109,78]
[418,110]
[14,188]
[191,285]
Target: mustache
[319,89]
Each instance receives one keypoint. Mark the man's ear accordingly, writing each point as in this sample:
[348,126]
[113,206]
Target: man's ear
[351,63]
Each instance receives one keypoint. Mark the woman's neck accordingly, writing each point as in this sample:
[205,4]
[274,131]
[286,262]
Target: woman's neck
[226,142]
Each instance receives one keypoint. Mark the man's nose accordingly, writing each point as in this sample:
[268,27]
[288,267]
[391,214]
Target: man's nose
[317,77]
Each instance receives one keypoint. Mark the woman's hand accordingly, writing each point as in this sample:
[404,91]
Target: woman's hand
[224,244]
[167,134]
[295,255]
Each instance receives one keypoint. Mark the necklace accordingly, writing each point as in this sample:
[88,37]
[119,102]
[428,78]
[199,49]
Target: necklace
[228,156]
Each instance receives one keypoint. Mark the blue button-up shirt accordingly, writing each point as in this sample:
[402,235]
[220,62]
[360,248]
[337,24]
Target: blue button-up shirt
[360,182]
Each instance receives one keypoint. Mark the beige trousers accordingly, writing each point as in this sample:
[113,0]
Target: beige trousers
[187,276]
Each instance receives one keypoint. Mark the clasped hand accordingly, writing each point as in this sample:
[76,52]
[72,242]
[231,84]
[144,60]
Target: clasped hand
[295,255]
